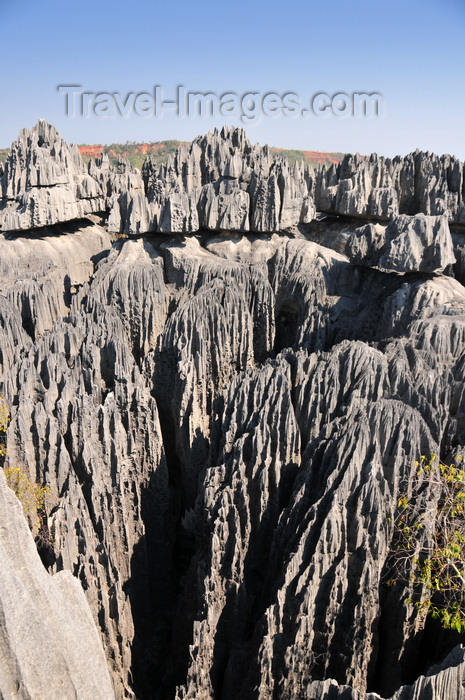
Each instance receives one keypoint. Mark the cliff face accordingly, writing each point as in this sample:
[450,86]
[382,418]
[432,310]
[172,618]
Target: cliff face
[219,182]
[45,182]
[385,187]
[226,423]
[49,643]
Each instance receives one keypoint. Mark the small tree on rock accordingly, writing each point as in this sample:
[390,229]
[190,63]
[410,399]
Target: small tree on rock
[32,495]
[428,550]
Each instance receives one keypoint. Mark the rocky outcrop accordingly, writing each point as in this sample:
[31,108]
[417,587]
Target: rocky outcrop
[408,244]
[49,644]
[381,188]
[219,182]
[231,185]
[442,681]
[226,421]
[126,207]
[45,182]
[226,425]
[39,273]
[81,381]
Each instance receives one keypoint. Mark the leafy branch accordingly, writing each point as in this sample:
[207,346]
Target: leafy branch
[32,495]
[428,546]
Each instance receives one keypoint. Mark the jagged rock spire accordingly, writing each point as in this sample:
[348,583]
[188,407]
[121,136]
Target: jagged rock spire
[45,181]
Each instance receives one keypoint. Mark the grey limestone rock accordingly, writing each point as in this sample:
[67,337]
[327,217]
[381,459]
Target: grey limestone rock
[381,188]
[226,422]
[408,244]
[441,681]
[40,272]
[226,428]
[178,214]
[219,182]
[128,210]
[81,381]
[45,182]
[49,644]
[232,184]
[225,207]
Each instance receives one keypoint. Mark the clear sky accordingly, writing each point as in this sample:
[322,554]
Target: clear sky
[409,51]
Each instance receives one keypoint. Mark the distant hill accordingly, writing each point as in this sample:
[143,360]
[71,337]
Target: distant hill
[312,157]
[134,152]
[137,152]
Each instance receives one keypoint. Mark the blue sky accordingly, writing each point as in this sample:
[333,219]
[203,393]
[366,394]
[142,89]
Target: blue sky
[409,51]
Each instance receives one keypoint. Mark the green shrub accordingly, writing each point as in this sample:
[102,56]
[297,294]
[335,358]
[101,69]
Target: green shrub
[32,495]
[428,550]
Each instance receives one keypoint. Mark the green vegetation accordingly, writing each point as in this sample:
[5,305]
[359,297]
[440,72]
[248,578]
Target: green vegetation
[32,495]
[136,153]
[313,158]
[291,155]
[429,542]
[136,159]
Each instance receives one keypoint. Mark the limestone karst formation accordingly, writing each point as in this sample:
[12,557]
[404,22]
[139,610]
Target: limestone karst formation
[48,660]
[220,182]
[226,401]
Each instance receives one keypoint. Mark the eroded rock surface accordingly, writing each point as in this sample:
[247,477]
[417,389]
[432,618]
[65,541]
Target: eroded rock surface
[219,182]
[230,185]
[408,244]
[49,644]
[45,182]
[226,423]
[378,187]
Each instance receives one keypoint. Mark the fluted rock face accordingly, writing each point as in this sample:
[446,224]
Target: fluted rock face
[225,206]
[226,424]
[378,187]
[39,275]
[219,182]
[49,644]
[45,182]
[231,185]
[408,244]
[126,206]
[445,680]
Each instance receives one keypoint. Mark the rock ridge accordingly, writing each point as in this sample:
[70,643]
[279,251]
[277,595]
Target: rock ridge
[219,182]
[226,422]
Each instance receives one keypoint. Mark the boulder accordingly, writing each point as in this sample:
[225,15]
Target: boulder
[407,244]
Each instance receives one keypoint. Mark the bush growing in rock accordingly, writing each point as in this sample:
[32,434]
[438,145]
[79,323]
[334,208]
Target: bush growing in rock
[32,495]
[429,541]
